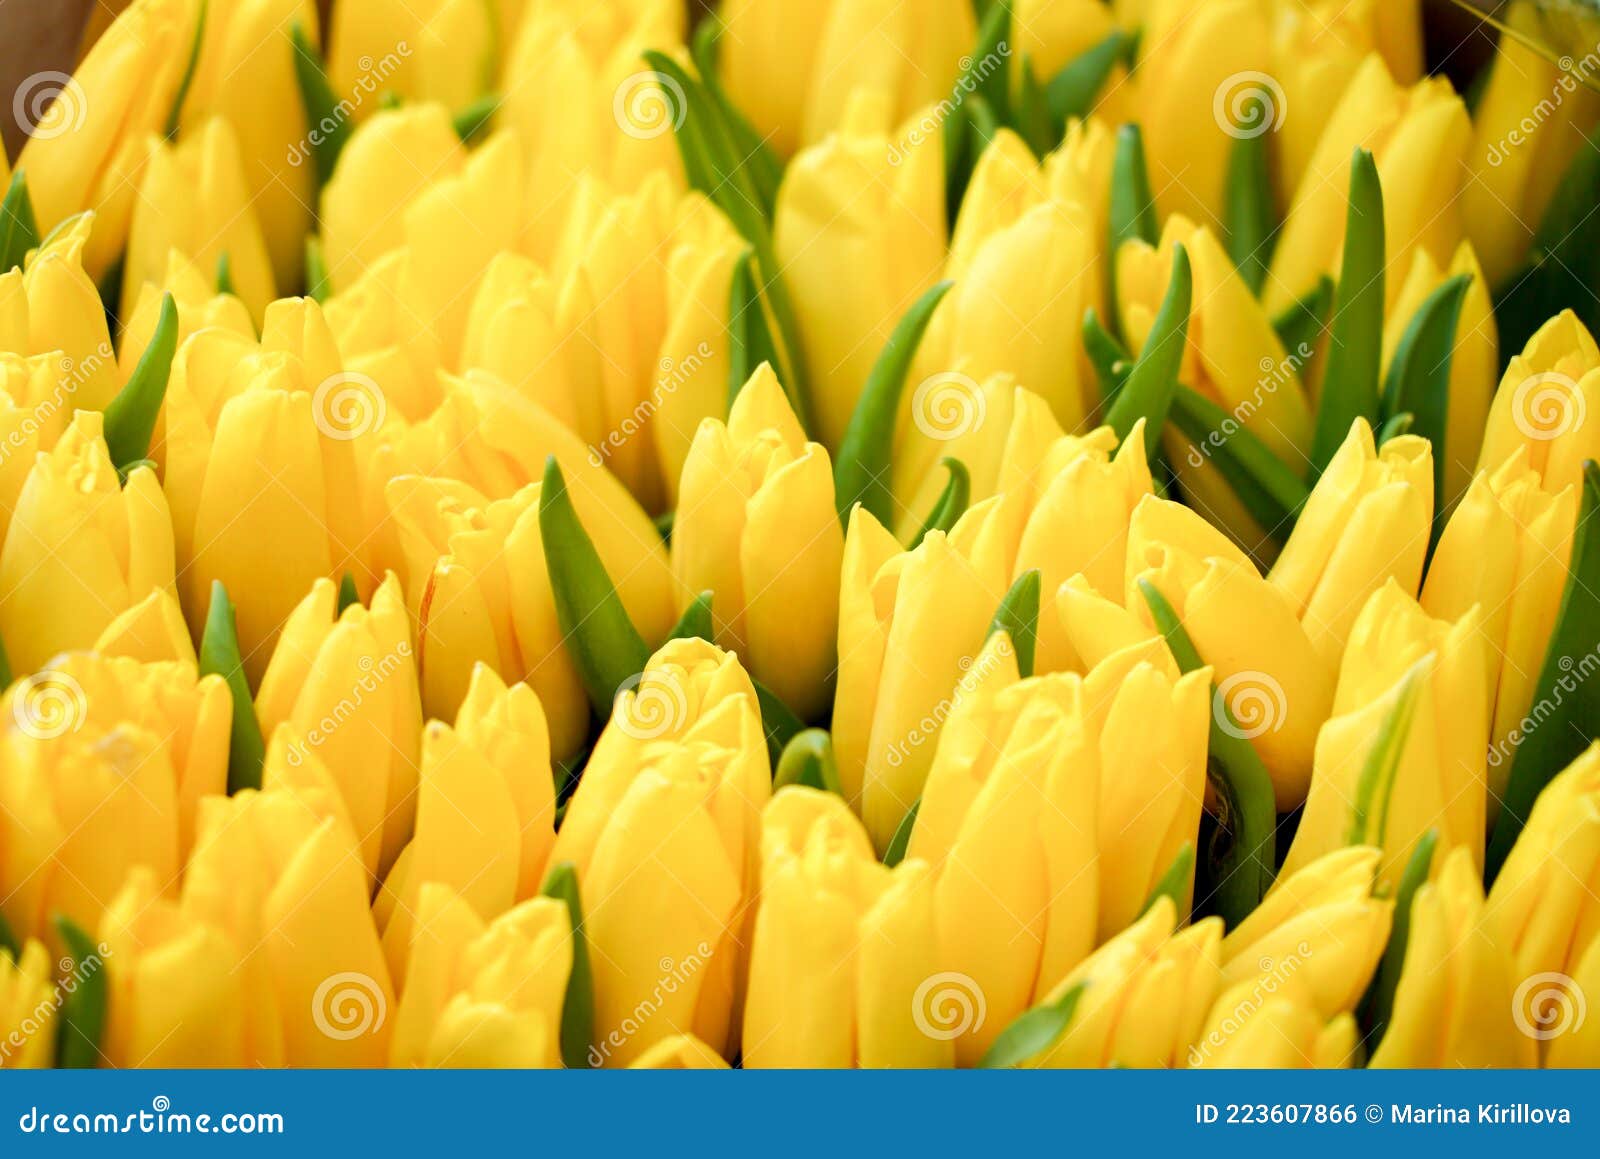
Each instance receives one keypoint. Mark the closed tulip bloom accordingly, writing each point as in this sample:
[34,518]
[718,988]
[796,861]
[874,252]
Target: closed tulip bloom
[483,993]
[758,528]
[246,75]
[1008,822]
[1474,362]
[663,832]
[1322,925]
[80,547]
[1454,1004]
[767,62]
[911,623]
[842,945]
[346,684]
[866,200]
[289,891]
[680,1052]
[1441,777]
[1576,1043]
[151,631]
[176,996]
[27,1008]
[87,145]
[1268,672]
[54,308]
[1148,991]
[199,306]
[1366,523]
[1517,585]
[1545,397]
[1258,1025]
[1419,137]
[36,405]
[419,50]
[194,198]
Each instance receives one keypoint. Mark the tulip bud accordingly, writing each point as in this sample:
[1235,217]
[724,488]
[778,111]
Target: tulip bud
[1543,403]
[1454,1004]
[483,994]
[80,547]
[37,400]
[199,305]
[419,50]
[1365,524]
[758,528]
[151,631]
[843,946]
[59,310]
[1269,1025]
[1397,650]
[27,1009]
[677,783]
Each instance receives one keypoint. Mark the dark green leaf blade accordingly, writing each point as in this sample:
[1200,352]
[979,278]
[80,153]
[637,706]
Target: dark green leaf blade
[1034,1031]
[82,1015]
[577,1011]
[130,419]
[952,501]
[1147,392]
[808,760]
[1018,617]
[219,655]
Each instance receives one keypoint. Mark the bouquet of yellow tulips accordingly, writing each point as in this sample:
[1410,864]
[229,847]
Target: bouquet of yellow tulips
[856,533]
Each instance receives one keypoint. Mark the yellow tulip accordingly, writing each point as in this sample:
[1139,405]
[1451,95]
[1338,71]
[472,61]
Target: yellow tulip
[246,75]
[1529,123]
[1148,991]
[194,198]
[483,993]
[1269,1024]
[176,997]
[680,1052]
[89,135]
[911,624]
[866,200]
[54,307]
[80,547]
[1051,34]
[288,889]
[1474,362]
[151,631]
[1454,1004]
[1269,674]
[1543,404]
[1419,137]
[1365,524]
[663,832]
[27,1009]
[1576,1044]
[419,50]
[198,304]
[1008,822]
[758,528]
[843,946]
[1517,584]
[37,401]
[1441,778]
[380,340]
[346,685]
[768,59]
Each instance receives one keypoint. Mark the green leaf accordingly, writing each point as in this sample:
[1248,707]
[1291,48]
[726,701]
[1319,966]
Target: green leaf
[19,230]
[747,325]
[779,723]
[1355,349]
[1394,426]
[1419,373]
[952,501]
[600,638]
[1018,617]
[1241,872]
[1300,326]
[8,940]
[901,841]
[1369,815]
[695,623]
[130,419]
[1267,486]
[348,595]
[328,128]
[664,524]
[1565,716]
[861,468]
[189,67]
[317,287]
[1031,117]
[1248,220]
[219,656]
[808,760]
[1379,1004]
[5,667]
[1174,882]
[1110,359]
[1072,91]
[986,75]
[760,162]
[225,275]
[577,1011]
[1132,209]
[1147,393]
[1034,1031]
[474,120]
[82,1018]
